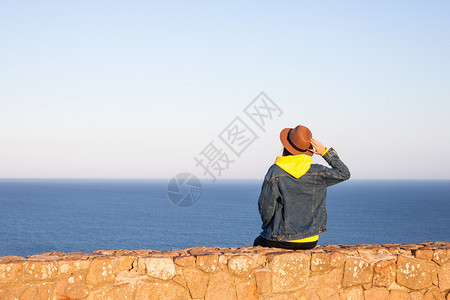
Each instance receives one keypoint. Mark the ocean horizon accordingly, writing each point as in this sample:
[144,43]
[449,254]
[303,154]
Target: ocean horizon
[83,215]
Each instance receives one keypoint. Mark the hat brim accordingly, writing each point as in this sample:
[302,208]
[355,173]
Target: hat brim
[284,141]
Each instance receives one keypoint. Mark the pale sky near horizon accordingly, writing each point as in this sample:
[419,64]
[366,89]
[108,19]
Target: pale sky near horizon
[136,89]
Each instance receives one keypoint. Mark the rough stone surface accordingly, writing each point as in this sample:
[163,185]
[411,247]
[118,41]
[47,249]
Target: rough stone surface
[223,262]
[289,297]
[184,261]
[72,265]
[328,285]
[337,259]
[240,265]
[352,293]
[332,272]
[160,267]
[306,294]
[320,262]
[416,296]
[263,281]
[444,277]
[440,256]
[123,263]
[415,273]
[290,271]
[122,291]
[208,263]
[425,254]
[398,295]
[10,272]
[221,287]
[357,271]
[196,281]
[433,294]
[246,290]
[384,273]
[39,270]
[161,290]
[34,291]
[100,271]
[74,287]
[376,294]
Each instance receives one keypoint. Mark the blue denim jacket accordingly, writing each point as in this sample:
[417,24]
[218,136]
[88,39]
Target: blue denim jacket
[294,208]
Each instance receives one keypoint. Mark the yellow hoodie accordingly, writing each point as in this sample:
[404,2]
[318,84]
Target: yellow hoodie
[297,166]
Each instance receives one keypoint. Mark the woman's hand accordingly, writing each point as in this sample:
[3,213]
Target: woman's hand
[318,147]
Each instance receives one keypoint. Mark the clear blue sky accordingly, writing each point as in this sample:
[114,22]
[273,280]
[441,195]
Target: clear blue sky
[136,89]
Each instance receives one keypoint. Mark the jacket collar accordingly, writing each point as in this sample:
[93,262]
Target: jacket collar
[295,165]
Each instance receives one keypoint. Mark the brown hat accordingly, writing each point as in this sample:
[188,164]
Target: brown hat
[297,140]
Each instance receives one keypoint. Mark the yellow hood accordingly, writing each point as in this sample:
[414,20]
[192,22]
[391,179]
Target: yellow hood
[296,165]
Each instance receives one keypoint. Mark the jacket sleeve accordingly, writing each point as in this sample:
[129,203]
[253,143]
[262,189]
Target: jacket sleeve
[338,171]
[267,202]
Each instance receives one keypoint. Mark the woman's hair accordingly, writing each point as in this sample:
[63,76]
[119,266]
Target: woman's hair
[286,152]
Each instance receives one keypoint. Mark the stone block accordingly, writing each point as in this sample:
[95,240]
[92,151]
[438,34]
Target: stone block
[263,281]
[352,293]
[415,273]
[367,286]
[123,263]
[356,271]
[290,296]
[161,290]
[440,256]
[208,263]
[425,254]
[320,262]
[14,292]
[337,259]
[326,285]
[100,271]
[184,261]
[384,273]
[398,295]
[416,295]
[197,281]
[246,290]
[36,291]
[39,270]
[139,266]
[200,250]
[72,266]
[376,294]
[240,265]
[11,293]
[74,287]
[307,294]
[160,267]
[180,280]
[10,272]
[290,271]
[444,276]
[223,262]
[122,291]
[221,287]
[433,294]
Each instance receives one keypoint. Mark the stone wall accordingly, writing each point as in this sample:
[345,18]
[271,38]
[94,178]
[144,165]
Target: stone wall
[394,271]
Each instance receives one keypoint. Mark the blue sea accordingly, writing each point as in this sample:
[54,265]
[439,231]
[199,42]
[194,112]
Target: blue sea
[74,215]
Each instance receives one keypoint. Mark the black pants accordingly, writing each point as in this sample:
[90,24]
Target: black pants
[260,241]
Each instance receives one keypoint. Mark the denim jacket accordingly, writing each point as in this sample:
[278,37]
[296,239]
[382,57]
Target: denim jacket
[294,208]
